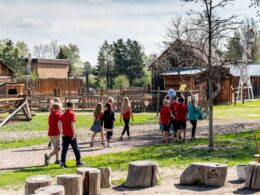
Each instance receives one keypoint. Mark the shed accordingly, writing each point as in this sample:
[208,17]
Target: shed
[48,68]
[6,73]
[12,88]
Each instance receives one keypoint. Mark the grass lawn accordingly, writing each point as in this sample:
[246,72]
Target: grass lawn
[84,120]
[231,149]
[7,144]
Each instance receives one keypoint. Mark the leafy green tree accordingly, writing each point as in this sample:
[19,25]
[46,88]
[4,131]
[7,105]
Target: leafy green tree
[12,54]
[143,81]
[72,53]
[121,81]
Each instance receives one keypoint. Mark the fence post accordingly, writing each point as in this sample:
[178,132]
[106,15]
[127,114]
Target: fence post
[242,95]
[158,101]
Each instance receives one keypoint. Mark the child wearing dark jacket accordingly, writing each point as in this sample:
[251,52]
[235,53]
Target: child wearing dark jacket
[108,120]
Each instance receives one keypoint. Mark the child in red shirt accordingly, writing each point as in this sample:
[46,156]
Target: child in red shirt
[68,120]
[54,133]
[181,117]
[165,119]
[126,114]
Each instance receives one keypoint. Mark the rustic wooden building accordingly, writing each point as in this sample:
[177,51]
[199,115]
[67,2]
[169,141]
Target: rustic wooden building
[47,68]
[6,73]
[182,62]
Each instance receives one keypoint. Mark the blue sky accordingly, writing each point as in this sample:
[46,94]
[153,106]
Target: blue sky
[88,23]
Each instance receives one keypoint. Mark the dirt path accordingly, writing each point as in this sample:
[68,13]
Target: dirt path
[141,135]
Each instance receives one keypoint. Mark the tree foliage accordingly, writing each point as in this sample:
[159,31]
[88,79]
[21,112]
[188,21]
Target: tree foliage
[12,54]
[72,53]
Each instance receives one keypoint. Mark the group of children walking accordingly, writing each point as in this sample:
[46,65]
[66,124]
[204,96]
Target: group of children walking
[174,114]
[62,128]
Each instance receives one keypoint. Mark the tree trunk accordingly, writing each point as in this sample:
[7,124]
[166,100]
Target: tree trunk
[72,183]
[209,174]
[105,177]
[91,180]
[142,174]
[35,182]
[51,190]
[252,176]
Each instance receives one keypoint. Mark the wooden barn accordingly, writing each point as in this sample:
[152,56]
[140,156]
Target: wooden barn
[47,68]
[181,63]
[6,73]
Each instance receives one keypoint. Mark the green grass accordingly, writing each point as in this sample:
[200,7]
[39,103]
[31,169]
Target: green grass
[230,149]
[7,144]
[84,120]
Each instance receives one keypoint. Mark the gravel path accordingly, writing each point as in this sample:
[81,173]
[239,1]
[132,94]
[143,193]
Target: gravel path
[141,135]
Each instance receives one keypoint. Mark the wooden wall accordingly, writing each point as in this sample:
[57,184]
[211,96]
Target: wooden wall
[52,87]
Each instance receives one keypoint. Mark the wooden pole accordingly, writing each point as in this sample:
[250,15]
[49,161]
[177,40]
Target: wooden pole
[158,101]
[242,95]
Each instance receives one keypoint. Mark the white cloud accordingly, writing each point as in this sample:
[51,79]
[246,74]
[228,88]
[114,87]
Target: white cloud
[89,23]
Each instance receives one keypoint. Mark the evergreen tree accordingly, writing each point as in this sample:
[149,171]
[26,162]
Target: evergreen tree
[234,48]
[105,65]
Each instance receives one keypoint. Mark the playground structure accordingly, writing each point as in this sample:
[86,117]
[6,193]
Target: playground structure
[14,105]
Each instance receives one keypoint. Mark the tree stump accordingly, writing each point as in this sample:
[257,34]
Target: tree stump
[209,174]
[105,177]
[35,182]
[142,174]
[91,180]
[252,176]
[51,190]
[72,183]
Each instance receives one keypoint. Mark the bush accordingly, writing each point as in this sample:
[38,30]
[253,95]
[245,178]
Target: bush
[121,81]
[144,81]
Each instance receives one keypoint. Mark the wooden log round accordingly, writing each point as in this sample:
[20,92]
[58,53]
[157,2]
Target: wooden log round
[51,190]
[209,174]
[35,182]
[252,176]
[72,183]
[91,180]
[105,177]
[142,174]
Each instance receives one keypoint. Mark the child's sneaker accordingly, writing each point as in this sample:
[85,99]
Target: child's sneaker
[129,137]
[104,144]
[63,166]
[46,159]
[109,145]
[57,162]
[79,164]
[121,138]
[91,144]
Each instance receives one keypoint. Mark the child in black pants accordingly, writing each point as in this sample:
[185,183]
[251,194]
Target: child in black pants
[68,120]
[109,119]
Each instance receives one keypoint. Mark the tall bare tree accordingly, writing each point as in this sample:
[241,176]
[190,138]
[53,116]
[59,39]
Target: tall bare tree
[204,31]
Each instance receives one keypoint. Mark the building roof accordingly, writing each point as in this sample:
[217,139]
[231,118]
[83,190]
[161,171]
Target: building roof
[253,70]
[183,71]
[2,62]
[48,61]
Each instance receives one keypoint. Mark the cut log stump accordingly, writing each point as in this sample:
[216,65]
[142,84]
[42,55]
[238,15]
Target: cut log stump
[91,180]
[105,177]
[72,183]
[35,182]
[51,190]
[253,176]
[209,174]
[142,174]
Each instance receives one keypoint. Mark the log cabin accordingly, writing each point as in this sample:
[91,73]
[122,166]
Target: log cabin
[185,62]
[6,73]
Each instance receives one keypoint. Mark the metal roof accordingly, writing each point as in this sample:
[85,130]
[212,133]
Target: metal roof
[182,71]
[253,70]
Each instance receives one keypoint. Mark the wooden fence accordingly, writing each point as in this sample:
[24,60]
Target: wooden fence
[53,87]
